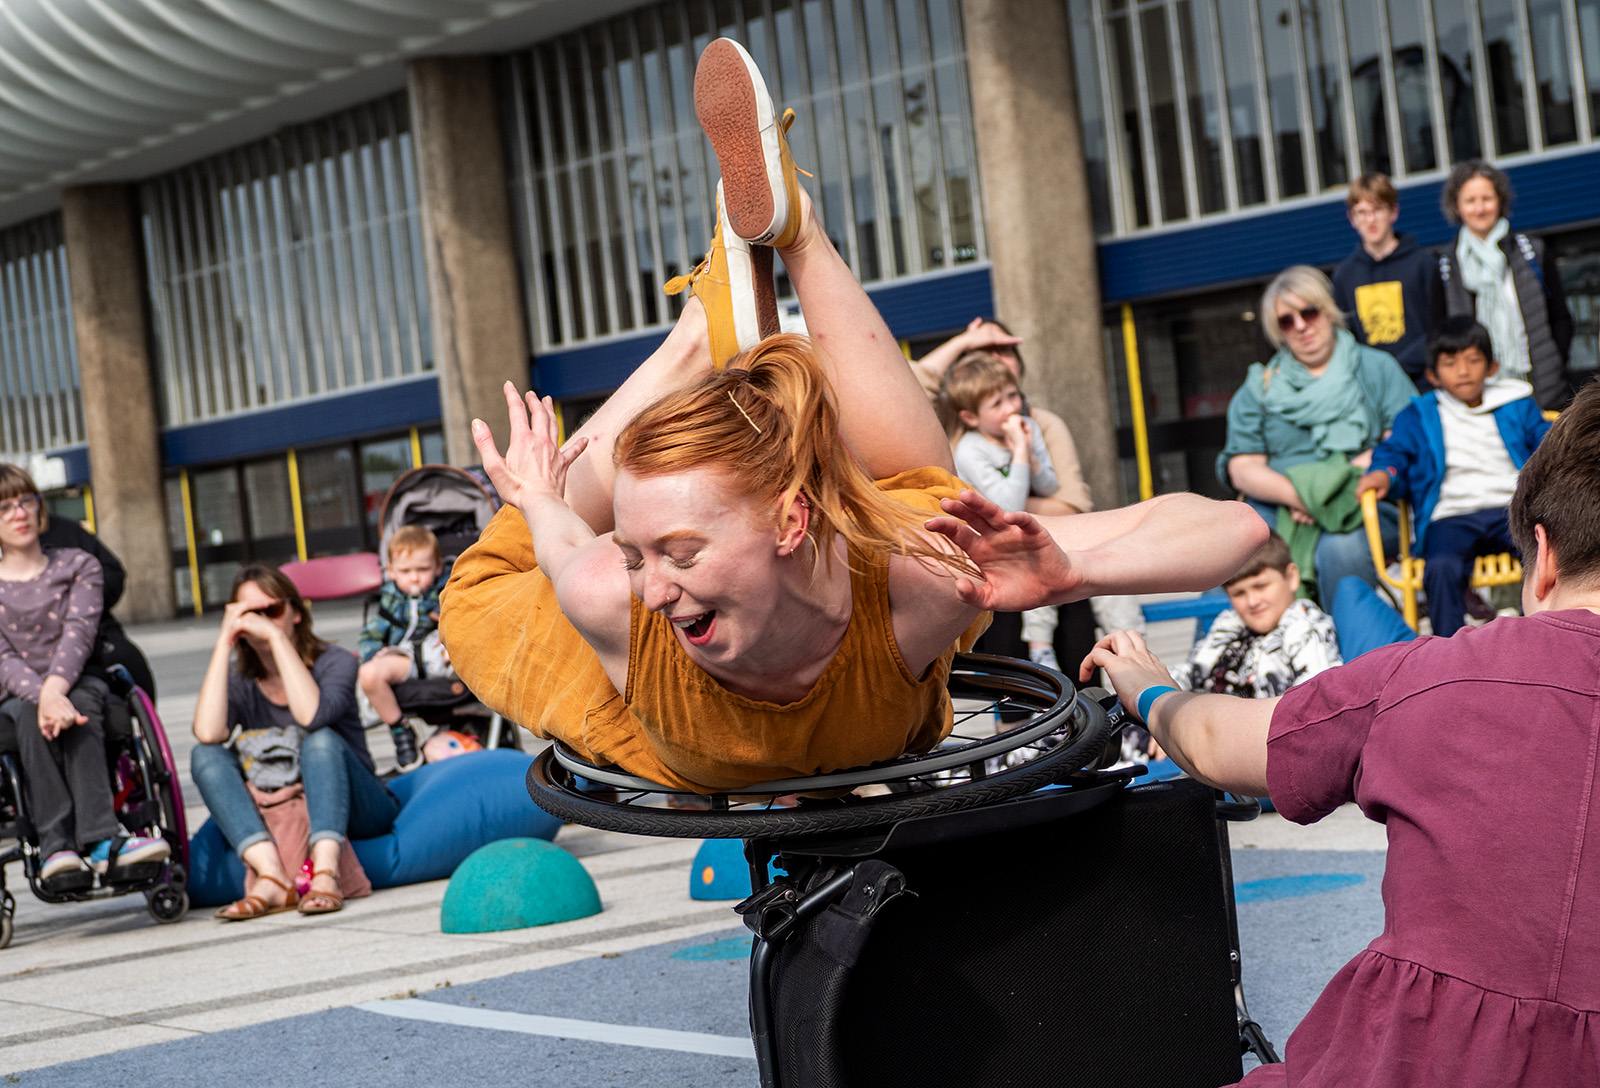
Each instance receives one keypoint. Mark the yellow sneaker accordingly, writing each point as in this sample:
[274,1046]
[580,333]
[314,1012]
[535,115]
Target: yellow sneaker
[731,101]
[734,284]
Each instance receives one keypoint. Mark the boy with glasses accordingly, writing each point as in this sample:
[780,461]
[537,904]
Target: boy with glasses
[1384,284]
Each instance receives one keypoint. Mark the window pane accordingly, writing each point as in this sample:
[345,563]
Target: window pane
[1243,117]
[1163,112]
[1589,40]
[1455,77]
[1126,88]
[432,447]
[1318,26]
[1205,127]
[1502,47]
[1277,41]
[1085,71]
[218,519]
[1366,85]
[267,493]
[1552,72]
[327,488]
[381,465]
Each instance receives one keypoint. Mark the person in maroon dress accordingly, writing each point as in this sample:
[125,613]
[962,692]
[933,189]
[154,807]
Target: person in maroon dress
[1479,753]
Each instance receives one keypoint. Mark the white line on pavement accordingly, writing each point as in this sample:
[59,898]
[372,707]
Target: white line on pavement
[692,1042]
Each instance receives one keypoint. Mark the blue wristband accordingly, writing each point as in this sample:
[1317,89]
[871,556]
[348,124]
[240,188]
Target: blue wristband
[1148,697]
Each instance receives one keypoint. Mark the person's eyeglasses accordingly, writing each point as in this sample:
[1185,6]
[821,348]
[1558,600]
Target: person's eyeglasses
[30,503]
[1306,315]
[272,611]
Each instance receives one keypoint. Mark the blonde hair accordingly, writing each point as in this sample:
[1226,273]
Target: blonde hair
[769,423]
[413,538]
[1306,284]
[973,379]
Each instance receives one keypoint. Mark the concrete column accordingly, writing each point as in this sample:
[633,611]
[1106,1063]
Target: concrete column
[106,274]
[1037,214]
[479,334]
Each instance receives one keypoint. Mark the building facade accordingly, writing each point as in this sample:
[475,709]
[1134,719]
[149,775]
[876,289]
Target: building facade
[257,261]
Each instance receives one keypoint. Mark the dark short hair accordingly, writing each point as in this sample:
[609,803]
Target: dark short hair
[16,483]
[1559,488]
[1273,555]
[1464,172]
[1457,334]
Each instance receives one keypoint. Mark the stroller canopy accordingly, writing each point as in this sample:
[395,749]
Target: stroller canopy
[455,503]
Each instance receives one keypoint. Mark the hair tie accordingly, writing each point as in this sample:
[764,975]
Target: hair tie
[742,412]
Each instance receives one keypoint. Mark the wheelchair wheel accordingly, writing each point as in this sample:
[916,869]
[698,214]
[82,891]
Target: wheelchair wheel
[158,768]
[8,907]
[1064,731]
[167,903]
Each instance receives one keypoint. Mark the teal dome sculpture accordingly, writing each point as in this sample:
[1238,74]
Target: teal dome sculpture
[515,884]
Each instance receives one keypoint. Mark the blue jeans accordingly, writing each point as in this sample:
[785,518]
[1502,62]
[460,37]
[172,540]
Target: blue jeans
[343,798]
[1342,555]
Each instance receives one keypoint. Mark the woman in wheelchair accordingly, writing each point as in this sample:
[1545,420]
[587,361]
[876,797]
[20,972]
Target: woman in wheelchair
[292,694]
[50,605]
[732,582]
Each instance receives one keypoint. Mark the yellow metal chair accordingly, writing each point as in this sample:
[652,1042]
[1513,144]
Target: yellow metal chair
[1502,569]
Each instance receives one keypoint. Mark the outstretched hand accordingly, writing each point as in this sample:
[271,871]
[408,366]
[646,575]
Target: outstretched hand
[1129,663]
[1022,565]
[534,464]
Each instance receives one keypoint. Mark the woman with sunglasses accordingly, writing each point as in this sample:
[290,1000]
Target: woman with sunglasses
[269,672]
[1321,396]
[50,605]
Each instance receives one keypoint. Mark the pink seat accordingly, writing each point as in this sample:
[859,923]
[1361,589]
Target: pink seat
[331,577]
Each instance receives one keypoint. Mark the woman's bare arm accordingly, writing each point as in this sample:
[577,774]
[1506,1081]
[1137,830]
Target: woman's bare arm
[1219,739]
[1172,542]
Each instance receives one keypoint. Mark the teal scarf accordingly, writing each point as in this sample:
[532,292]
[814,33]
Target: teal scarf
[1483,272]
[1330,407]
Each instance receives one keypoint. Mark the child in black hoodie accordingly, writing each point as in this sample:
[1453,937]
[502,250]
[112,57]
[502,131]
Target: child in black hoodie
[1384,284]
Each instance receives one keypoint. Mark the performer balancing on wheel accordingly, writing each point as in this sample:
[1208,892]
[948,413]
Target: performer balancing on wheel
[732,581]
[1488,968]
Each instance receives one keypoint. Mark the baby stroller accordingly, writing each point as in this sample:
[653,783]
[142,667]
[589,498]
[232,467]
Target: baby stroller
[456,505]
[999,911]
[146,798]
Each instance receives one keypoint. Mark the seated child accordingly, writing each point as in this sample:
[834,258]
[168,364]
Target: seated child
[401,641]
[1454,454]
[1003,456]
[1268,641]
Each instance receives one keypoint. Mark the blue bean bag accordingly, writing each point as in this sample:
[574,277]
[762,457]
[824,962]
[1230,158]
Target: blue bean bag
[447,811]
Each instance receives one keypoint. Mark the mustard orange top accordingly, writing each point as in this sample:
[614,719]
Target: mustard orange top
[676,724]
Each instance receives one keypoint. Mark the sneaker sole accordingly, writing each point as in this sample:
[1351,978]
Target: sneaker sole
[734,109]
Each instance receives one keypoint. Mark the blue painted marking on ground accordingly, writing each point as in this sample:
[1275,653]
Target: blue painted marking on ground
[734,948]
[1293,887]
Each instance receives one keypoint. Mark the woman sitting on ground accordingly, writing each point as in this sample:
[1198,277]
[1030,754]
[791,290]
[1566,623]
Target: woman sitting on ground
[291,694]
[732,582]
[50,606]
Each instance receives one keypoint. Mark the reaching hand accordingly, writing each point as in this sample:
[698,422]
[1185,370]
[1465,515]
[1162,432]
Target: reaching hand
[1129,663]
[533,464]
[1022,565]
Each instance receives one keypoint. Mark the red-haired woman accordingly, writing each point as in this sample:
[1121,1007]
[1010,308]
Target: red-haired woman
[733,581]
[293,697]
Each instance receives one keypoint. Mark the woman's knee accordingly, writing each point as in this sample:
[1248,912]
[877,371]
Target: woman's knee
[207,761]
[323,744]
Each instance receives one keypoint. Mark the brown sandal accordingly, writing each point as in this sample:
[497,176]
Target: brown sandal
[336,898]
[253,906]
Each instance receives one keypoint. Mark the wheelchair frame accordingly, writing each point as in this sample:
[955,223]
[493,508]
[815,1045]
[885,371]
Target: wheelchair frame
[1066,736]
[146,794]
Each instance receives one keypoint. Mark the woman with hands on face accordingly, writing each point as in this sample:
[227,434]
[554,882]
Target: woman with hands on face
[292,697]
[50,605]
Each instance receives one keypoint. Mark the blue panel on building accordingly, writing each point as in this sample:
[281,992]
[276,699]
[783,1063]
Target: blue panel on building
[1554,191]
[914,307]
[304,423]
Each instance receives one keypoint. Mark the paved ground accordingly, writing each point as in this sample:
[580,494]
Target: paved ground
[651,990]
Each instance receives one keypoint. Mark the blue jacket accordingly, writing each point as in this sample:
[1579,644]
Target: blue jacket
[1413,453]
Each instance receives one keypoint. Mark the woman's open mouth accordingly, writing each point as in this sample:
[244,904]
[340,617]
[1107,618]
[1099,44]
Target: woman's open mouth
[697,629]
